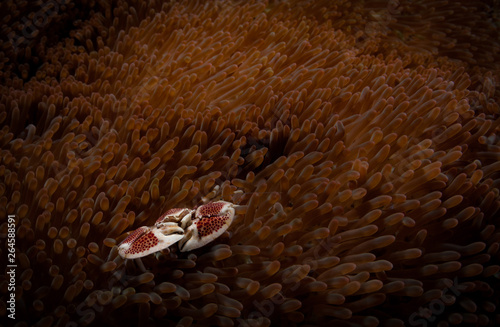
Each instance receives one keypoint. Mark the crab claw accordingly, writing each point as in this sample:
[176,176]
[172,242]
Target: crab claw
[210,221]
[146,240]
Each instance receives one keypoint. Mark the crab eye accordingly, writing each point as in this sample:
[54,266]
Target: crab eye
[147,240]
[210,221]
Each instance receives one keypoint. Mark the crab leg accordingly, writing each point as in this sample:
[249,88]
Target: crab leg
[176,215]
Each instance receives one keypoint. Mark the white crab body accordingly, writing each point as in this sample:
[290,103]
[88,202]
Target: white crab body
[210,221]
[192,228]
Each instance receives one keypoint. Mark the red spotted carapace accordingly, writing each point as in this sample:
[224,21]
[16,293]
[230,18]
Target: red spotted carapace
[192,228]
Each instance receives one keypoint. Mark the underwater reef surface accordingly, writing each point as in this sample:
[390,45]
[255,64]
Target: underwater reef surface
[358,140]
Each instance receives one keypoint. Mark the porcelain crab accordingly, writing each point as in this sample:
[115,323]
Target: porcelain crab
[192,228]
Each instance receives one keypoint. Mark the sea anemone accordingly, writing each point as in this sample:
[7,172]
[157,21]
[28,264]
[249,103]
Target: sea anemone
[357,140]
